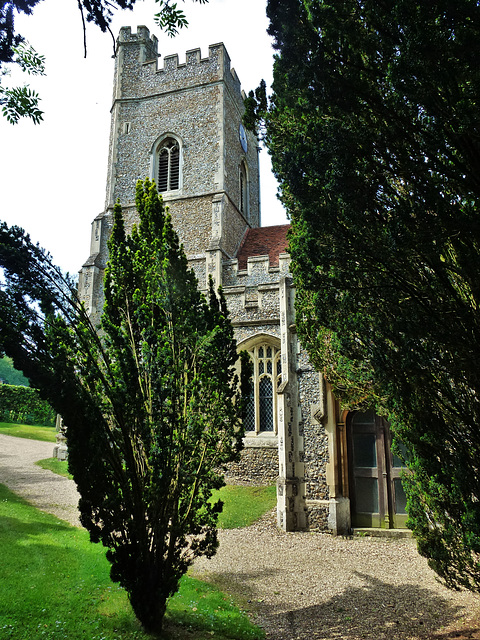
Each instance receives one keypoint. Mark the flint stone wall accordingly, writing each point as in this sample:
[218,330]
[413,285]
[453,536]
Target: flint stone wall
[257,466]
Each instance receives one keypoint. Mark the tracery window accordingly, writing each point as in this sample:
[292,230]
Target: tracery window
[168,165]
[261,409]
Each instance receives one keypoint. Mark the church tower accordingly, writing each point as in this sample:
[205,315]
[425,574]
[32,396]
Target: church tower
[180,125]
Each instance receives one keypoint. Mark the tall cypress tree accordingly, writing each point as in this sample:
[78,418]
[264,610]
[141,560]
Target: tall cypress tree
[151,402]
[373,132]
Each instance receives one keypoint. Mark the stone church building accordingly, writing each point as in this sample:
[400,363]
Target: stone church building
[181,125]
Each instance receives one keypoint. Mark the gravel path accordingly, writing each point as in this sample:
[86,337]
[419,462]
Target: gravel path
[298,586]
[44,489]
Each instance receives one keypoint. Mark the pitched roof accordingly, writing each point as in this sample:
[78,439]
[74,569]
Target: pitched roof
[271,241]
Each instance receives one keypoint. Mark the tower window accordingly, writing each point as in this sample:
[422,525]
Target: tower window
[261,410]
[168,177]
[243,189]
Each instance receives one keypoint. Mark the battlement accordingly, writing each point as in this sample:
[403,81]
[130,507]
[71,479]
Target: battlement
[215,66]
[142,37]
[258,269]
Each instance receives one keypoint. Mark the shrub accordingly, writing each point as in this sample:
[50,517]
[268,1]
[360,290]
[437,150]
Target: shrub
[24,406]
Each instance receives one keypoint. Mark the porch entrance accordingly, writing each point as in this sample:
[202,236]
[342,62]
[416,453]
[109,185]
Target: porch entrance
[377,497]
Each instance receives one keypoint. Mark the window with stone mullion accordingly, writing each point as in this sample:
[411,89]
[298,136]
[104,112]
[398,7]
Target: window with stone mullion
[168,166]
[260,415]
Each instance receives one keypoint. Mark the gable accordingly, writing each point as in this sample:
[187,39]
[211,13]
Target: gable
[263,241]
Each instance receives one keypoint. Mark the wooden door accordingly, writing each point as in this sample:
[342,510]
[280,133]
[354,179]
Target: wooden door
[399,499]
[376,493]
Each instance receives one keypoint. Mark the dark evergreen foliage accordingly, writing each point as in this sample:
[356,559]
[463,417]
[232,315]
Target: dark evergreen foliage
[373,128]
[152,403]
[8,38]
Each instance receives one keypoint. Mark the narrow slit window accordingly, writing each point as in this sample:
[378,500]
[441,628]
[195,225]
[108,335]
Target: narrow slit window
[243,185]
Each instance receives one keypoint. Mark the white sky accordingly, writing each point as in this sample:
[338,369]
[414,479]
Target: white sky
[53,175]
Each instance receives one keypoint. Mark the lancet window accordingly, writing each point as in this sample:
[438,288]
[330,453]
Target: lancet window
[168,165]
[243,185]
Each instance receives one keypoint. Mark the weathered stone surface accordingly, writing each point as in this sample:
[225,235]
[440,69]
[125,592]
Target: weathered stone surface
[256,467]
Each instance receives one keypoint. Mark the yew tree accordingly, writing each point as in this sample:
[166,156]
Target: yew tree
[151,400]
[373,128]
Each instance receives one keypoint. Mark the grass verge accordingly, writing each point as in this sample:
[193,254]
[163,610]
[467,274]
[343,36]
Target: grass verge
[241,505]
[54,584]
[47,434]
[60,467]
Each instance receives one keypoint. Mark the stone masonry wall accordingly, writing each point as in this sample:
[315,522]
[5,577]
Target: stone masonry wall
[315,440]
[192,118]
[317,517]
[256,467]
[200,102]
[139,77]
[234,154]
[235,225]
[191,219]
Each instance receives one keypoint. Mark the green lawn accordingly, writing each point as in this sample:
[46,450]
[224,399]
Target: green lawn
[60,467]
[47,434]
[241,505]
[54,584]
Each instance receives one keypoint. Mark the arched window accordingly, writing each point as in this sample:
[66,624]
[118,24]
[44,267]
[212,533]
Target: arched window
[261,410]
[243,185]
[168,165]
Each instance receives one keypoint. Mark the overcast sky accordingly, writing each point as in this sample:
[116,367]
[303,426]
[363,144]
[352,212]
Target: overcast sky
[53,174]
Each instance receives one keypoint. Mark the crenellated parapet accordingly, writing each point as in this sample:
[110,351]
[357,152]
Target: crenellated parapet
[147,43]
[259,270]
[141,49]
[253,293]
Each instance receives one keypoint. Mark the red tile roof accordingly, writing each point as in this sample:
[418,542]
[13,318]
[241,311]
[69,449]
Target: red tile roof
[263,241]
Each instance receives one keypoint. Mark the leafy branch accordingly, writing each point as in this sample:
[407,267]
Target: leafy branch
[20,102]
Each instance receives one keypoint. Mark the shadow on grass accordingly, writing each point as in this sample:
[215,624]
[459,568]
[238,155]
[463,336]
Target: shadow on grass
[55,584]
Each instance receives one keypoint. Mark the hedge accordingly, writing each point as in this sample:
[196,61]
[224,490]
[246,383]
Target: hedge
[24,405]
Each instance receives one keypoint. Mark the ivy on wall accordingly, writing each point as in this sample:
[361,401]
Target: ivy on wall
[24,405]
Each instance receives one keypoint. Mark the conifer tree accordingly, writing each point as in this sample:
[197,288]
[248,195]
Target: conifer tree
[151,402]
[373,131]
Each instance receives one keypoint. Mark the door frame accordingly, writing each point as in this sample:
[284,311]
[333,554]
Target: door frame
[386,474]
